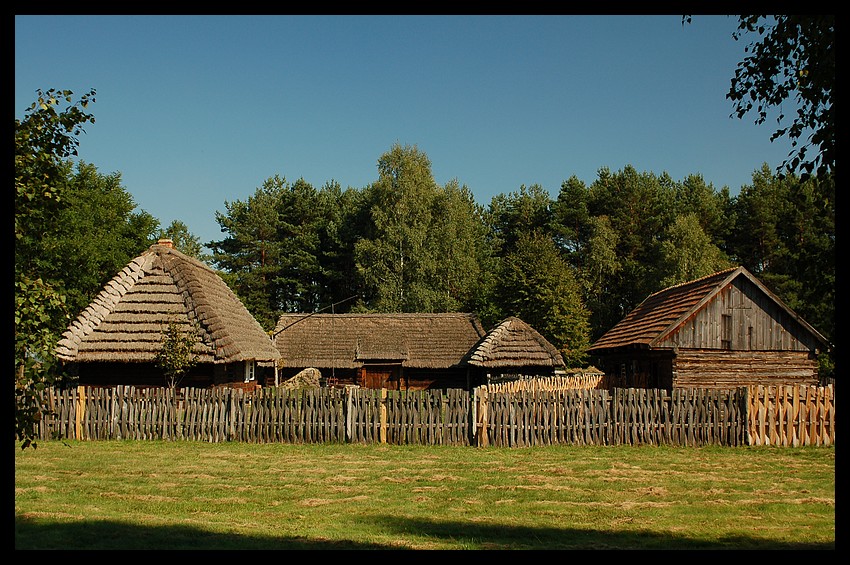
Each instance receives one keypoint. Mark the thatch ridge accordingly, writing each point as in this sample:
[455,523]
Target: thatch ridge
[126,319]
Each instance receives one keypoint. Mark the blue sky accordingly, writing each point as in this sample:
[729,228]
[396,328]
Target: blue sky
[194,111]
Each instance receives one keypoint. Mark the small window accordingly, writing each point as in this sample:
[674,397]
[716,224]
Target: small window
[249,371]
[726,332]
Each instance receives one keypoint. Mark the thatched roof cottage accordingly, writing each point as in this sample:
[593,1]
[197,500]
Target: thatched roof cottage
[414,351]
[395,351]
[115,340]
[514,347]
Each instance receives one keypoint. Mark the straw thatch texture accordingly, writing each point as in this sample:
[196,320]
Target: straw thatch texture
[126,320]
[346,341]
[515,344]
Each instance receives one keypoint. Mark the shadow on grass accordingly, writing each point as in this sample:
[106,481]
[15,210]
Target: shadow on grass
[106,535]
[500,536]
[119,536]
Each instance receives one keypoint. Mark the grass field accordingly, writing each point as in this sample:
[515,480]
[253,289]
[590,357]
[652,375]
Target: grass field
[185,495]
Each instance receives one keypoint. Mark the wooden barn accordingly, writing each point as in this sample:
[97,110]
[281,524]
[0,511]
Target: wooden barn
[514,348]
[115,340]
[393,351]
[720,331]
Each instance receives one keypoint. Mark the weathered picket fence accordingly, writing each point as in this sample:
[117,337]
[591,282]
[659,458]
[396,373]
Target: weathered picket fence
[781,416]
[620,417]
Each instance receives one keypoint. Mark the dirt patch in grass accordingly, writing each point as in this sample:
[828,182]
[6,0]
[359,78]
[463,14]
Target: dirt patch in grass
[51,515]
[326,501]
[143,497]
[32,489]
[651,491]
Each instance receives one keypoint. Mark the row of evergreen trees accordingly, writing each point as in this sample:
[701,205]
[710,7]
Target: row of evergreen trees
[571,265]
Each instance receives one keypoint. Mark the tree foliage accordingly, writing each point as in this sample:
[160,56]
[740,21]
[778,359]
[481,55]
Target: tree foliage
[523,211]
[252,249]
[637,208]
[785,235]
[394,259]
[464,255]
[44,139]
[795,57]
[537,285]
[425,247]
[74,229]
[39,307]
[176,355]
[185,241]
[286,247]
[687,252]
[792,60]
[96,232]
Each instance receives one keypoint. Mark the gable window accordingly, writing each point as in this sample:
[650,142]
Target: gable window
[726,331]
[249,371]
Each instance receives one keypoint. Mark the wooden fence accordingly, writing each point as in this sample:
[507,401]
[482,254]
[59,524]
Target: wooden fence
[791,415]
[489,416]
[687,417]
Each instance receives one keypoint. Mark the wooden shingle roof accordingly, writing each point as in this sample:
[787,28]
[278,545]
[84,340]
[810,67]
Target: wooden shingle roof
[432,341]
[663,312]
[513,343]
[126,320]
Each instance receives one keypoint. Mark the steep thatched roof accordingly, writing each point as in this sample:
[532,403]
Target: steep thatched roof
[125,321]
[663,312]
[433,341]
[513,344]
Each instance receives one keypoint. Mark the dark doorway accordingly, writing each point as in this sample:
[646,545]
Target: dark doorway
[382,376]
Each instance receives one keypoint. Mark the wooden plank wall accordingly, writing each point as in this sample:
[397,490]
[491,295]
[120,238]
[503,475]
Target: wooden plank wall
[724,369]
[757,415]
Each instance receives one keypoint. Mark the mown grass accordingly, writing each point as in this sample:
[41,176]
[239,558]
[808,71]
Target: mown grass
[186,495]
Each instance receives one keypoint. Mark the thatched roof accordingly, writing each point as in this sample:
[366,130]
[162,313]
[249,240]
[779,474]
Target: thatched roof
[125,321]
[662,313]
[513,344]
[347,341]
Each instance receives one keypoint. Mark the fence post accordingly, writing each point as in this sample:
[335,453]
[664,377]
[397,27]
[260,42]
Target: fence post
[480,422]
[349,410]
[383,422]
[231,416]
[746,407]
[81,411]
[115,427]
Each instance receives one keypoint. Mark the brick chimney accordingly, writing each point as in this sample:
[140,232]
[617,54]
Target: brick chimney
[166,242]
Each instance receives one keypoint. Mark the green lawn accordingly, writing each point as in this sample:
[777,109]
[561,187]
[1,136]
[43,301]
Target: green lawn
[186,495]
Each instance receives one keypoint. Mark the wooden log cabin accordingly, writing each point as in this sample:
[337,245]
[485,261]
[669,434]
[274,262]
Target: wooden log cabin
[720,331]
